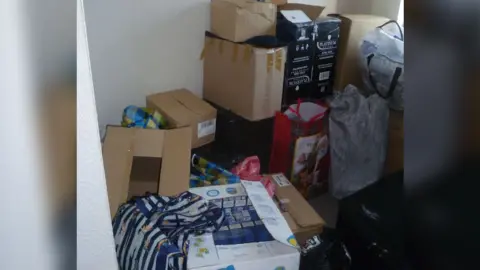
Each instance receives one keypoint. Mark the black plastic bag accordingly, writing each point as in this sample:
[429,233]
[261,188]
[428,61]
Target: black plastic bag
[325,252]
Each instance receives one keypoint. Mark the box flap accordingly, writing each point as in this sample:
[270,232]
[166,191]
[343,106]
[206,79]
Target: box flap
[180,106]
[166,104]
[295,16]
[310,10]
[192,102]
[117,161]
[175,174]
[295,204]
[120,147]
[147,142]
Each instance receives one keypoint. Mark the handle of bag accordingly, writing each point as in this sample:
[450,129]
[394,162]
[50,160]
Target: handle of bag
[297,111]
[398,25]
[393,83]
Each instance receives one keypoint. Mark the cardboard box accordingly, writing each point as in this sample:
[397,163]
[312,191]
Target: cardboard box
[353,28]
[182,108]
[254,236]
[244,79]
[311,52]
[145,160]
[239,20]
[302,219]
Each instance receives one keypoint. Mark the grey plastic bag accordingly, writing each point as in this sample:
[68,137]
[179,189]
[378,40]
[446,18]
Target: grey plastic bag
[358,140]
[382,63]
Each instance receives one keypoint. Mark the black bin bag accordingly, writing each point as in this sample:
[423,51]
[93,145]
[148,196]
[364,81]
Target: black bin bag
[325,252]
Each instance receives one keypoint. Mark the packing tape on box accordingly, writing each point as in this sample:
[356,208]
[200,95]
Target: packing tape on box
[235,53]
[210,42]
[247,53]
[277,54]
[279,59]
[269,62]
[220,46]
[274,56]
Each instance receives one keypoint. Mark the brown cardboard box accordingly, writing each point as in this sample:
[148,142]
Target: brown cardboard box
[242,78]
[394,160]
[352,29]
[239,20]
[145,160]
[182,108]
[302,219]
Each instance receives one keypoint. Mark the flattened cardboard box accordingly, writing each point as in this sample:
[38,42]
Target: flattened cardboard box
[352,28]
[301,217]
[182,108]
[244,79]
[254,235]
[138,160]
[239,20]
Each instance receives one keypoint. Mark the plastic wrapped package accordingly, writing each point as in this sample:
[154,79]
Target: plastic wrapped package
[325,252]
[358,141]
[382,63]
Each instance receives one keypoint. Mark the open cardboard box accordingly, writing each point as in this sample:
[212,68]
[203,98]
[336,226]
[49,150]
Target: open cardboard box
[138,160]
[302,219]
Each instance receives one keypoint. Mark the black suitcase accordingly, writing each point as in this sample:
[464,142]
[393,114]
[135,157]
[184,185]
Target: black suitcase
[371,222]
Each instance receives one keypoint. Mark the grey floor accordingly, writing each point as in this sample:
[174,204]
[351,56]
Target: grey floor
[327,207]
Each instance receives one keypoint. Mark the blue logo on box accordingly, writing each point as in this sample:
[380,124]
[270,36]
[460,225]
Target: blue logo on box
[231,190]
[213,193]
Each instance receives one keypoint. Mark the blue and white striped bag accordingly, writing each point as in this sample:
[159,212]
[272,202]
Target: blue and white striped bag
[152,232]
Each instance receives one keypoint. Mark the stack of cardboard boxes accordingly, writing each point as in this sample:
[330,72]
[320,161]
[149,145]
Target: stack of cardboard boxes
[261,56]
[258,56]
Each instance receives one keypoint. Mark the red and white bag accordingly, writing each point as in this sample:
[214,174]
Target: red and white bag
[300,147]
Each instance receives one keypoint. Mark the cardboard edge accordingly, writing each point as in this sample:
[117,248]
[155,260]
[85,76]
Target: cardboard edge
[176,152]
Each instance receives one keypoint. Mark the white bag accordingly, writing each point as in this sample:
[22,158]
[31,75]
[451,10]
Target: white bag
[382,63]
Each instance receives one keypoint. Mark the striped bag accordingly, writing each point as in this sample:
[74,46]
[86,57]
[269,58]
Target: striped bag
[152,232]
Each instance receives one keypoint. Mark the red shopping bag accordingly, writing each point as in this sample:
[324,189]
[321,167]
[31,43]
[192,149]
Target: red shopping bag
[300,147]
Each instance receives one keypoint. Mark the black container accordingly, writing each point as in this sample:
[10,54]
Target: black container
[295,28]
[327,33]
[237,138]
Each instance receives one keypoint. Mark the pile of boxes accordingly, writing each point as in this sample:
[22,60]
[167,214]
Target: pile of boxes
[258,57]
[262,56]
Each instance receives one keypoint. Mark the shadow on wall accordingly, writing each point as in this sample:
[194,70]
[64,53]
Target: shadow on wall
[138,48]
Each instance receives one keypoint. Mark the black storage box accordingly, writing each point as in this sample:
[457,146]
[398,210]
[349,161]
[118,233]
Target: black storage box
[237,138]
[326,34]
[311,54]
[296,28]
[371,222]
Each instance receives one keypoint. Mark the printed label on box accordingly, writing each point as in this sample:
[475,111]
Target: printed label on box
[281,180]
[206,128]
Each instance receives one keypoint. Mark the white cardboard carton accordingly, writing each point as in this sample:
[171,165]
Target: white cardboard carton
[254,236]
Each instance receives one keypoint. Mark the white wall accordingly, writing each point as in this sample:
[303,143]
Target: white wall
[146,46]
[386,8]
[95,245]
